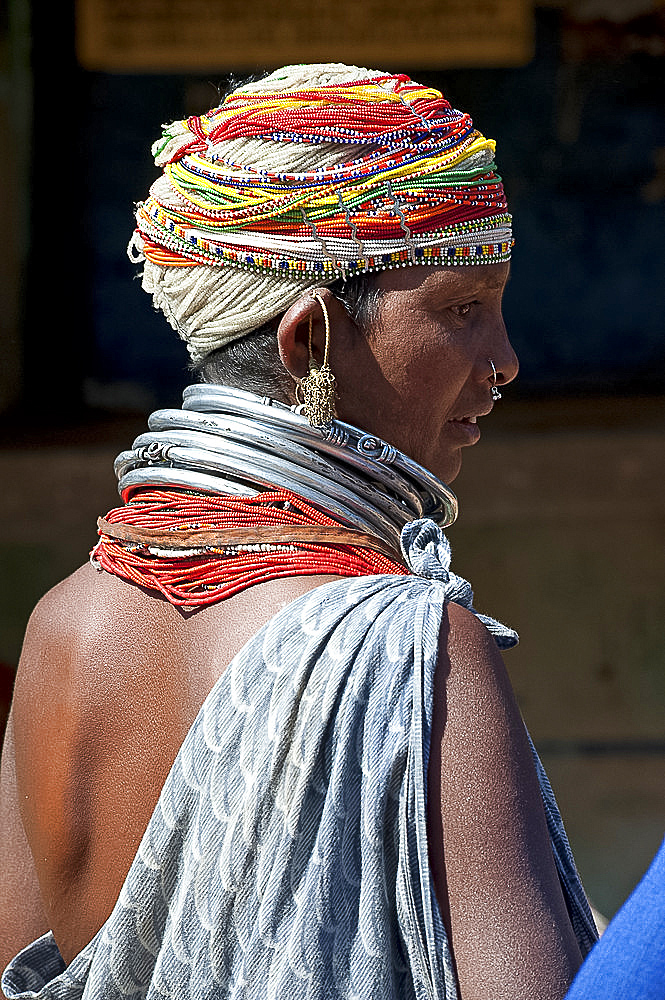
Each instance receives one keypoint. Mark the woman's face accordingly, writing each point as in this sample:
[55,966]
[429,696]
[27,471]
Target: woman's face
[422,375]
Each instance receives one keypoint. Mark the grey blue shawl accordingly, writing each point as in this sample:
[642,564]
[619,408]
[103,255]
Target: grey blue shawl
[287,856]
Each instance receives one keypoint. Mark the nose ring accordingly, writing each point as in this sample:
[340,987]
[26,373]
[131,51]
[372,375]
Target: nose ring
[495,389]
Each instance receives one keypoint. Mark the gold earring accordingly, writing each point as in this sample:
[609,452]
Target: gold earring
[318,388]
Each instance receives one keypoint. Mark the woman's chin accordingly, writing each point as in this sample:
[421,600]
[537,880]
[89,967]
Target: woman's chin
[446,468]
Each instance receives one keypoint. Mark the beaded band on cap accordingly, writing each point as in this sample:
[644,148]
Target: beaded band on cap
[423,191]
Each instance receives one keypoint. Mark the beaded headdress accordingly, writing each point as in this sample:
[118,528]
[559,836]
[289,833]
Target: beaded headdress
[314,173]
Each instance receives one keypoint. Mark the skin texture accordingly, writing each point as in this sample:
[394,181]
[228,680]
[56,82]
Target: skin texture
[111,678]
[493,869]
[110,681]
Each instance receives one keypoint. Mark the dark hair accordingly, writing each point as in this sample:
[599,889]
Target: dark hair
[252,362]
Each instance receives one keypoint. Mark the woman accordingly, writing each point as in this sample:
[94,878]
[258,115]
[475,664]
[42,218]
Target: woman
[356,809]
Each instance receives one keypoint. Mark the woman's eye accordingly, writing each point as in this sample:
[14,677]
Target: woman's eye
[463,309]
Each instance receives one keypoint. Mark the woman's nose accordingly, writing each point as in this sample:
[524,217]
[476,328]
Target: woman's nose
[502,357]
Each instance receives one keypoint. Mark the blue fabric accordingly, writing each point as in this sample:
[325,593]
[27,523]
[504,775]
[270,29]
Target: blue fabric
[287,856]
[628,963]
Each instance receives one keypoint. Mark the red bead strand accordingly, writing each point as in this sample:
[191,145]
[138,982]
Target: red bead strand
[196,580]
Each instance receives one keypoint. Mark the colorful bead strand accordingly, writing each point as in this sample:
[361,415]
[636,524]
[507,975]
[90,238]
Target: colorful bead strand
[423,173]
[195,579]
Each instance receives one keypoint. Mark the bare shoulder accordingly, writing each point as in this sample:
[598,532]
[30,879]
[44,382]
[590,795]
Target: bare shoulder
[464,630]
[51,670]
[489,846]
[474,699]
[90,642]
[468,654]
[77,617]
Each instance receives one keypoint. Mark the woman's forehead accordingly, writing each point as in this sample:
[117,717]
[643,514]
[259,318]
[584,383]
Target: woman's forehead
[442,281]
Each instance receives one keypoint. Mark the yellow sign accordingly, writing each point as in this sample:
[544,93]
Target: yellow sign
[193,36]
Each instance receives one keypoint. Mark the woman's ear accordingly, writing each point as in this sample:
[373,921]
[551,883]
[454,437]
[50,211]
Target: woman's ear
[293,335]
[293,332]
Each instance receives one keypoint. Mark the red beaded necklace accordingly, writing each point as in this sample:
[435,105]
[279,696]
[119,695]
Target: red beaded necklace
[198,549]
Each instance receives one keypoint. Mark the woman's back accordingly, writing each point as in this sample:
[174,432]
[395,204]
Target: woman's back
[117,675]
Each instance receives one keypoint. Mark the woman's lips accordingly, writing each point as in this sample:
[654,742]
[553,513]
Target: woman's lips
[466,428]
